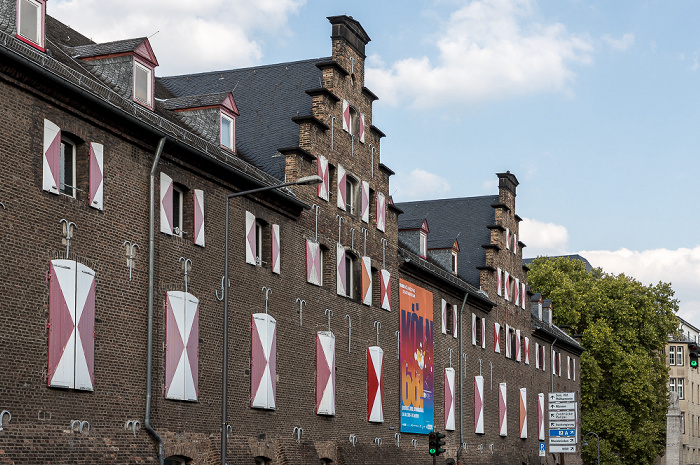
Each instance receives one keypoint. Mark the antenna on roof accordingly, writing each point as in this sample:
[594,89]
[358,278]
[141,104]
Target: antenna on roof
[154,34]
[234,87]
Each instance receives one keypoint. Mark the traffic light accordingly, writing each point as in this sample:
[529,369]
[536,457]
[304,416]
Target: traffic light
[432,443]
[693,354]
[439,450]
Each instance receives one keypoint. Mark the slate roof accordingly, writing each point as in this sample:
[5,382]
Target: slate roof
[267,97]
[194,101]
[440,242]
[555,331]
[465,219]
[107,48]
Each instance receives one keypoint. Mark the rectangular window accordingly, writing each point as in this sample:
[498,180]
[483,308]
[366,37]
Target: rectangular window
[671,356]
[679,387]
[227,125]
[30,21]
[454,262]
[142,84]
[679,355]
[349,275]
[423,245]
[177,210]
[351,195]
[67,179]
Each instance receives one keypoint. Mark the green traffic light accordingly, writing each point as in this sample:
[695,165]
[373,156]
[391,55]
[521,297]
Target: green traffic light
[432,451]
[694,363]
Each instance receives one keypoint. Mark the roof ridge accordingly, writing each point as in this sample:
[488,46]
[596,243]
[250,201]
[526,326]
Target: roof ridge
[271,65]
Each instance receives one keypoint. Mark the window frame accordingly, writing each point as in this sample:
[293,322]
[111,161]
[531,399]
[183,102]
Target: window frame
[354,121]
[68,141]
[41,24]
[679,388]
[423,246]
[672,355]
[231,119]
[138,64]
[351,195]
[454,262]
[679,356]
[350,263]
[178,206]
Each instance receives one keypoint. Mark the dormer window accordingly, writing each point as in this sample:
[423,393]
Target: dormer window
[228,133]
[423,244]
[143,84]
[30,22]
[454,262]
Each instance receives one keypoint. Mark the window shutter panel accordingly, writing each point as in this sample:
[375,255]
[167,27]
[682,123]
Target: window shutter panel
[506,285]
[523,295]
[381,212]
[313,262]
[174,347]
[275,231]
[523,413]
[554,362]
[450,399]
[62,323]
[85,328]
[96,191]
[385,290]
[166,204]
[483,333]
[191,354]
[366,280]
[361,133]
[568,367]
[198,201]
[497,338]
[540,416]
[507,239]
[444,317]
[342,186]
[52,158]
[455,321]
[507,341]
[502,410]
[346,116]
[516,291]
[574,367]
[473,329]
[559,363]
[518,355]
[323,188]
[527,351]
[263,361]
[251,246]
[499,281]
[340,268]
[515,243]
[479,404]
[325,373]
[537,355]
[375,384]
[543,358]
[364,200]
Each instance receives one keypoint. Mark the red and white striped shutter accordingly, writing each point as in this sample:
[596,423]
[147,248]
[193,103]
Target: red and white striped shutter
[96,188]
[444,317]
[174,347]
[526,349]
[325,373]
[523,413]
[381,212]
[507,239]
[518,355]
[366,280]
[568,367]
[559,364]
[191,353]
[473,329]
[540,416]
[166,204]
[483,333]
[198,207]
[507,341]
[385,290]
[573,362]
[313,262]
[52,158]
[342,188]
[341,279]
[506,285]
[450,399]
[364,202]
[537,355]
[275,231]
[502,410]
[346,116]
[455,321]
[554,362]
[251,246]
[523,295]
[361,133]
[543,358]
[61,371]
[375,384]
[497,338]
[85,328]
[323,188]
[263,361]
[515,243]
[516,291]
[479,404]
[499,281]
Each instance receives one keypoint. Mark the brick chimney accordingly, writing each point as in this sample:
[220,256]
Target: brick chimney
[347,29]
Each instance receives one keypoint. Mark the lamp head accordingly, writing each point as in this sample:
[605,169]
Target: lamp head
[309,180]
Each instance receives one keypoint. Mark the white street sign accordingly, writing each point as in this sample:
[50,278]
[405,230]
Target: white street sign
[561,397]
[562,406]
[559,449]
[562,440]
[562,414]
[562,424]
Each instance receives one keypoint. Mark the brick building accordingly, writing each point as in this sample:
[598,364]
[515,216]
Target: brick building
[114,210]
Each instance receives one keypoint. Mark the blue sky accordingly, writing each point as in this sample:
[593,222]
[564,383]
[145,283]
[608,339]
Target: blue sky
[593,105]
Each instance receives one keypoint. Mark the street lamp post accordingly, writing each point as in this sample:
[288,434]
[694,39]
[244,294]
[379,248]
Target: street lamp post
[598,442]
[305,181]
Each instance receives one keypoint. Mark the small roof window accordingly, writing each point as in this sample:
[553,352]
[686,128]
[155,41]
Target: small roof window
[30,22]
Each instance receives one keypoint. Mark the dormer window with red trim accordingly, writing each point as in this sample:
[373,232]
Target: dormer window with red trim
[30,22]
[143,84]
[228,131]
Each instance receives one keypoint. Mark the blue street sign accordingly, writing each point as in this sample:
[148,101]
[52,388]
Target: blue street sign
[542,446]
[562,432]
[542,450]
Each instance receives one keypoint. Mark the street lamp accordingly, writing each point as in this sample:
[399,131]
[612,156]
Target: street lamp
[305,181]
[584,443]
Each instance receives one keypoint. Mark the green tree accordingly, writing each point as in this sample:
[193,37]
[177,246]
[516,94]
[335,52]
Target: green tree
[625,326]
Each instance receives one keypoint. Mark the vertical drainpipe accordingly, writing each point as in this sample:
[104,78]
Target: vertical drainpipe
[151,267]
[461,379]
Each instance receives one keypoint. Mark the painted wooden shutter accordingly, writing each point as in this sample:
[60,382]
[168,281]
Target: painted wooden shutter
[573,369]
[381,212]
[166,204]
[181,346]
[523,295]
[499,281]
[325,373]
[444,317]
[543,358]
[342,188]
[515,243]
[313,262]
[85,328]
[526,349]
[275,231]
[341,278]
[385,290]
[375,384]
[251,246]
[473,329]
[479,404]
[516,291]
[506,285]
[554,362]
[96,188]
[537,355]
[523,413]
[263,361]
[507,239]
[198,207]
[540,416]
[361,132]
[483,333]
[559,363]
[502,410]
[324,187]
[366,280]
[455,321]
[450,399]
[518,355]
[52,158]
[364,202]
[346,116]
[568,367]
[497,338]
[507,341]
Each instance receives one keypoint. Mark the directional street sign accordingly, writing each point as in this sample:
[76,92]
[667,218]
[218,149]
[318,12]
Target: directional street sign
[553,440]
[562,424]
[561,397]
[562,414]
[562,432]
[562,405]
[557,449]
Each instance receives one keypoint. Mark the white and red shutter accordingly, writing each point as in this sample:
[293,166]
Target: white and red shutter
[523,413]
[483,333]
[507,341]
[518,355]
[559,364]
[361,133]
[166,204]
[275,232]
[198,207]
[346,116]
[455,321]
[341,278]
[85,328]
[450,399]
[364,202]
[554,361]
[537,355]
[507,239]
[515,243]
[473,329]
[573,368]
[96,187]
[323,188]
[313,262]
[568,367]
[251,246]
[523,295]
[181,346]
[444,317]
[342,188]
[506,285]
[385,290]
[516,291]
[375,384]
[52,158]
[263,361]
[366,280]
[526,349]
[543,358]
[499,281]
[325,373]
[540,417]
[502,410]
[497,338]
[381,212]
[479,404]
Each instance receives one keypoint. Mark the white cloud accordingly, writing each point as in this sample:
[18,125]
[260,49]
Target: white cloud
[192,36]
[419,185]
[543,238]
[489,49]
[621,44]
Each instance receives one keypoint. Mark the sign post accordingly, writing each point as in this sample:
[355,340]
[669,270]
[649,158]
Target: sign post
[563,431]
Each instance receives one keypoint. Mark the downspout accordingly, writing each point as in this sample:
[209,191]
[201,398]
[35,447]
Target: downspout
[461,380]
[151,266]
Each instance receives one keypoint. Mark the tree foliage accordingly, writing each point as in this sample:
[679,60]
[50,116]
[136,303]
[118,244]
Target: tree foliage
[625,326]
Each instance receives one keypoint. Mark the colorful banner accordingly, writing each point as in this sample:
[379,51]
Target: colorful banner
[416,358]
